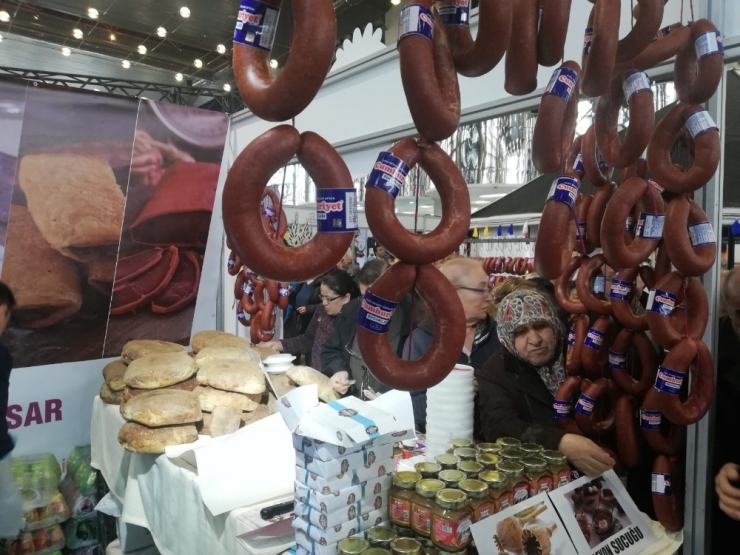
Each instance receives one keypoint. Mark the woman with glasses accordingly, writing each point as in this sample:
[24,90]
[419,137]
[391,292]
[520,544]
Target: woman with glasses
[337,289]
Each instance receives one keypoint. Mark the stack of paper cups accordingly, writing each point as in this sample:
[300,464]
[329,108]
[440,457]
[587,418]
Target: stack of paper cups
[450,410]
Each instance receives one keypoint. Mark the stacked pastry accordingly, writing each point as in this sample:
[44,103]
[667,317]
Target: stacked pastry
[112,391]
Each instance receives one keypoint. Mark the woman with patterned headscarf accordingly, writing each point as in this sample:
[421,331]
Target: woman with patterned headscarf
[518,383]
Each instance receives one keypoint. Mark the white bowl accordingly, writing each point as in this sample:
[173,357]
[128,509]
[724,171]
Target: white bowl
[279,360]
[278,368]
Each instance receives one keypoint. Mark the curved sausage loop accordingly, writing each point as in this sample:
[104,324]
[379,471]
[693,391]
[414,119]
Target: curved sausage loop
[311,54]
[562,283]
[552,251]
[591,285]
[385,182]
[556,120]
[668,323]
[648,17]
[706,146]
[621,295]
[635,89]
[553,28]
[600,47]
[574,163]
[562,405]
[671,375]
[595,214]
[689,237]
[590,418]
[699,64]
[233,264]
[242,205]
[474,58]
[649,229]
[275,224]
[595,347]
[377,307]
[627,444]
[520,65]
[428,73]
[666,494]
[597,170]
[576,336]
[653,425]
[646,357]
[583,205]
[667,43]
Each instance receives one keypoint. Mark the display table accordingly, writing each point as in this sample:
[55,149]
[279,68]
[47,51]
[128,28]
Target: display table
[158,493]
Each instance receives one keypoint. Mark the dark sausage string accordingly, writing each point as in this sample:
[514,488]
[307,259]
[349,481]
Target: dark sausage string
[282,186]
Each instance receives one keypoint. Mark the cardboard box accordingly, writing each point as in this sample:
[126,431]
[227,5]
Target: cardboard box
[332,502]
[343,530]
[350,512]
[340,466]
[353,476]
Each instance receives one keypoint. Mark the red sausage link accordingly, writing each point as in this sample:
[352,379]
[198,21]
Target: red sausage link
[474,58]
[596,346]
[239,286]
[649,16]
[600,47]
[663,264]
[653,425]
[667,43]
[311,53]
[242,204]
[621,296]
[591,285]
[576,336]
[247,302]
[272,289]
[638,169]
[583,205]
[453,191]
[574,163]
[275,224]
[552,251]
[627,444]
[596,213]
[254,329]
[571,306]
[689,237]
[593,165]
[697,79]
[589,413]
[674,370]
[283,296]
[233,265]
[617,251]
[554,19]
[646,357]
[706,146]
[563,404]
[521,53]
[668,323]
[666,494]
[429,78]
[446,313]
[556,120]
[267,317]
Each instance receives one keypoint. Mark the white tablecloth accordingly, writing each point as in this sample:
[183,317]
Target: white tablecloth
[159,494]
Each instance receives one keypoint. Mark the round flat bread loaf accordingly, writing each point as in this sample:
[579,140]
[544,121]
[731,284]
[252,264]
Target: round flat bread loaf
[233,375]
[163,407]
[113,373]
[283,384]
[161,370]
[140,439]
[211,398]
[109,396]
[305,375]
[209,354]
[187,385]
[213,338]
[140,348]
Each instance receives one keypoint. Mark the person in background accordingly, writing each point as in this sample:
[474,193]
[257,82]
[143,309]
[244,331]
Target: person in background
[346,262]
[471,283]
[337,289]
[509,286]
[305,302]
[517,384]
[341,358]
[11,509]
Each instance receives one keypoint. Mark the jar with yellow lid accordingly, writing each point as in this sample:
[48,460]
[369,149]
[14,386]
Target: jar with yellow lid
[481,505]
[512,454]
[451,477]
[381,536]
[508,442]
[460,442]
[465,453]
[451,520]
[498,489]
[352,546]
[422,504]
[377,551]
[428,470]
[447,461]
[531,449]
[492,448]
[540,480]
[405,546]
[558,467]
[488,460]
[470,468]
[518,482]
[399,497]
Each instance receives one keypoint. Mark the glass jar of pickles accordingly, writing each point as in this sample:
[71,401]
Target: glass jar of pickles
[488,460]
[498,489]
[451,477]
[352,546]
[558,467]
[531,449]
[451,520]
[512,454]
[492,448]
[422,505]
[480,502]
[507,442]
[517,481]
[540,480]
[470,468]
[447,461]
[399,497]
[428,470]
[406,546]
[460,442]
[381,536]
[465,453]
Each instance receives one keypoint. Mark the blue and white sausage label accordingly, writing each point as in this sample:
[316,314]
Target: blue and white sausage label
[699,123]
[617,361]
[375,313]
[416,20]
[620,290]
[668,381]
[661,484]
[578,164]
[585,405]
[454,12]
[587,38]
[661,302]
[562,83]
[560,409]
[594,339]
[581,231]
[650,419]
[635,83]
[650,226]
[256,24]
[599,285]
[629,223]
[663,33]
[709,43]
[571,337]
[564,189]
[336,210]
[389,173]
[702,234]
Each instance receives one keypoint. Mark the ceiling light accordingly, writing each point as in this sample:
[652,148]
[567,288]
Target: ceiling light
[198,64]
[496,195]
[78,34]
[395,2]
[178,77]
[185,12]
[126,64]
[141,49]
[480,202]
[92,13]
[227,87]
[273,63]
[407,212]
[96,89]
[4,16]
[66,51]
[161,32]
[36,17]
[112,37]
[221,49]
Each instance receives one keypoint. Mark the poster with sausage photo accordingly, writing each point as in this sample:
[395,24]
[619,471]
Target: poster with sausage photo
[601,517]
[530,527]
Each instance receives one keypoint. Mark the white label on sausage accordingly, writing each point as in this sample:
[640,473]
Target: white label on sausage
[650,226]
[599,284]
[416,20]
[709,43]
[635,83]
[699,122]
[702,234]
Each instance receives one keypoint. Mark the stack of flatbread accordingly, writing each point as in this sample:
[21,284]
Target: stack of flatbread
[212,338]
[113,388]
